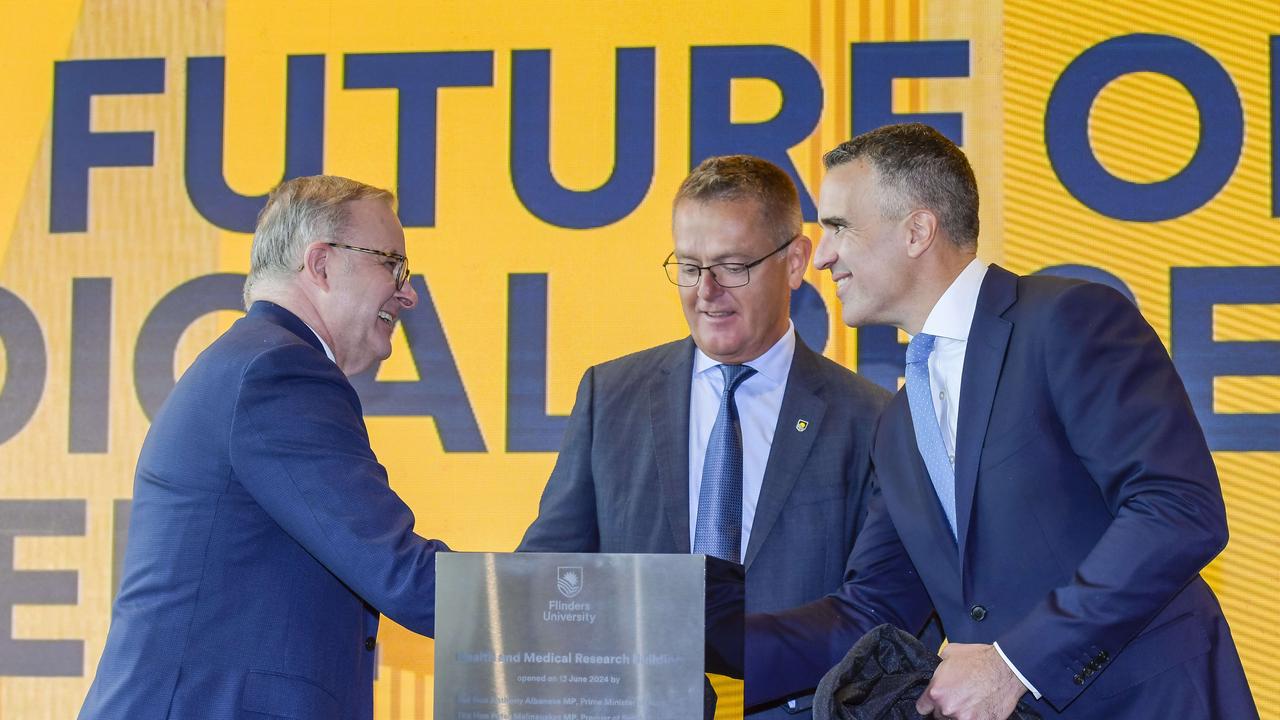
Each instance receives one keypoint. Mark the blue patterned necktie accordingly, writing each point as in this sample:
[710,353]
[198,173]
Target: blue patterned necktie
[925,419]
[719,528]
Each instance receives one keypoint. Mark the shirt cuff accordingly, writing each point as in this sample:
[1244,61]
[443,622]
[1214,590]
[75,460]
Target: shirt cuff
[1026,683]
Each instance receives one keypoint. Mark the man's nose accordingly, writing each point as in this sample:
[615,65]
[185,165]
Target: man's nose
[823,256]
[406,295]
[707,285]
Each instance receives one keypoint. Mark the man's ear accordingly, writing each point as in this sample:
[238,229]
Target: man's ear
[922,230]
[315,264]
[798,260]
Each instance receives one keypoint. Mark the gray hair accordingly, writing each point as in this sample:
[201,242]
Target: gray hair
[918,166]
[745,177]
[299,212]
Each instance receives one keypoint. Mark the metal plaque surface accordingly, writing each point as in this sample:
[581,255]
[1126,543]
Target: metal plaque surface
[567,636]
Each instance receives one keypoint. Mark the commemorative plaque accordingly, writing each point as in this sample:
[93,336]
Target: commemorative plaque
[563,636]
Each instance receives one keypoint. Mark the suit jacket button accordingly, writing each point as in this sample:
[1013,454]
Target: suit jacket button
[1078,680]
[978,613]
[369,643]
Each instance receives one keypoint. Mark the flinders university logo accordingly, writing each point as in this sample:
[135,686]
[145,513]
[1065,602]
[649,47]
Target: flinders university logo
[569,581]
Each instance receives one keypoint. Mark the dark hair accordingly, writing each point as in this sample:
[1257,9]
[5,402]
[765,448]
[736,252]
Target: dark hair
[917,165]
[745,177]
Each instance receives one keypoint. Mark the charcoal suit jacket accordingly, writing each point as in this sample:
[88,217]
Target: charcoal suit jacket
[621,481]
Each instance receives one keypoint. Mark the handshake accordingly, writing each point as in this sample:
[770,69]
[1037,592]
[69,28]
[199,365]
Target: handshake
[1039,488]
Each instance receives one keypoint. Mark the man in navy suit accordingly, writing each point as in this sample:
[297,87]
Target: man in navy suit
[1043,483]
[264,540]
[637,466]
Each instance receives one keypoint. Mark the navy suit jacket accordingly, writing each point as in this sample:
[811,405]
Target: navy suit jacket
[1087,503]
[621,481]
[263,543]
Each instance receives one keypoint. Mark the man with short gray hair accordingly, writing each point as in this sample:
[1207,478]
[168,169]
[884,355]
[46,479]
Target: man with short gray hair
[264,540]
[298,210]
[738,441]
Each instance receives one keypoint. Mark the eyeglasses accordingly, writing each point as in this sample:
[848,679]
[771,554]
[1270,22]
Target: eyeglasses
[400,271]
[726,275]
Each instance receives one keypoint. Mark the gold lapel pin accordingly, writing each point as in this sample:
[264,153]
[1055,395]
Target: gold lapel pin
[802,425]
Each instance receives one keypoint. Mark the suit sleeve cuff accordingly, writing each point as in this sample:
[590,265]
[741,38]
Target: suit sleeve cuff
[1026,683]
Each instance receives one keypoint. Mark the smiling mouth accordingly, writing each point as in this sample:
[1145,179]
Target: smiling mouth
[717,314]
[385,317]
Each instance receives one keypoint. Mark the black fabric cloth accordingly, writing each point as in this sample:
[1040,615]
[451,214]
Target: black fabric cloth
[881,678]
[725,607]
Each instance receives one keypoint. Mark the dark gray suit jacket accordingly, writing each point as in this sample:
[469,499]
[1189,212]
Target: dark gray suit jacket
[621,482]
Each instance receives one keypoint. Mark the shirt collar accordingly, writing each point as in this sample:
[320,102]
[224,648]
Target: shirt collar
[774,364]
[323,344]
[952,315]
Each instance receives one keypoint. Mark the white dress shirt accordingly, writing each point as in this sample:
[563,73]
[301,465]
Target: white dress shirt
[949,321]
[759,400]
[323,344]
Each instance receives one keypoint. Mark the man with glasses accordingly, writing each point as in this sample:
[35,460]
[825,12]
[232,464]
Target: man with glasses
[264,540]
[738,441]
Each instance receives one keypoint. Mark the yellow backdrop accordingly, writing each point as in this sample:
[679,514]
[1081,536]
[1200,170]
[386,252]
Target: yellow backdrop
[1160,176]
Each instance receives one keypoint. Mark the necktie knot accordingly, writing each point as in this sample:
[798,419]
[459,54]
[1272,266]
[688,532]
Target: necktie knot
[919,348]
[734,375]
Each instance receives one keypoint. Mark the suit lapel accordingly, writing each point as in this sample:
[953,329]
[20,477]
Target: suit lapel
[791,445]
[983,362]
[669,423]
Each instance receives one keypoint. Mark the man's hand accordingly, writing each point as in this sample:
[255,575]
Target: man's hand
[972,683]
